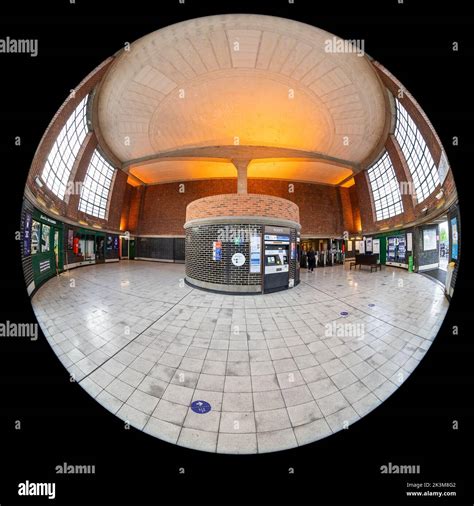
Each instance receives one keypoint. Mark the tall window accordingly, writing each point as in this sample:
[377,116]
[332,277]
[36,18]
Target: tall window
[58,166]
[385,188]
[96,186]
[419,160]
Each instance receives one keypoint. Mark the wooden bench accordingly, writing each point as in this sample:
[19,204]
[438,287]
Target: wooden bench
[370,260]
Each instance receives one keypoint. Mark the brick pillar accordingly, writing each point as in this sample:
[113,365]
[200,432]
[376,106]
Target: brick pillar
[241,165]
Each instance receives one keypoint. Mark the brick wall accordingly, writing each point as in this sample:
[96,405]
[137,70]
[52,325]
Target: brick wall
[200,265]
[136,203]
[320,205]
[347,211]
[164,206]
[116,200]
[126,204]
[357,220]
[235,204]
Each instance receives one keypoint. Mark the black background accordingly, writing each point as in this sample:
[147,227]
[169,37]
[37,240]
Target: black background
[62,423]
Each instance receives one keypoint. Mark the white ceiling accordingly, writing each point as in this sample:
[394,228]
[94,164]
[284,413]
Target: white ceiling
[247,79]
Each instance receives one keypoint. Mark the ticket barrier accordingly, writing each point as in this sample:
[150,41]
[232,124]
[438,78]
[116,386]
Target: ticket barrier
[322,259]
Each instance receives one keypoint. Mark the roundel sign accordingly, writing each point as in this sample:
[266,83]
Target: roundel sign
[238,259]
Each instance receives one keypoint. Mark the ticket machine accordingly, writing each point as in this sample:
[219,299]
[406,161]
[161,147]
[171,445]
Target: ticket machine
[277,256]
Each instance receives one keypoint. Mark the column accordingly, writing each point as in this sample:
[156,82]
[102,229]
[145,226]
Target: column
[241,165]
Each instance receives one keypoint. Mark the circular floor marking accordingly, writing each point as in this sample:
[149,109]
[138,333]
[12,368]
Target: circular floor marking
[201,407]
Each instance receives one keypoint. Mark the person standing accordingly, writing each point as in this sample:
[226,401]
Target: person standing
[303,261]
[311,260]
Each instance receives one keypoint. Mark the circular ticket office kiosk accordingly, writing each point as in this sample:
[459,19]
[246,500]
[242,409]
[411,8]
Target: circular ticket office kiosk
[242,243]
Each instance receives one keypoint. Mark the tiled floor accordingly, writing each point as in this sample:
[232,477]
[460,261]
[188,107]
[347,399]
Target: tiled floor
[279,370]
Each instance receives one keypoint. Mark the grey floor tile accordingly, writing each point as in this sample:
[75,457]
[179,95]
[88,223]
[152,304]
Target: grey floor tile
[281,439]
[266,363]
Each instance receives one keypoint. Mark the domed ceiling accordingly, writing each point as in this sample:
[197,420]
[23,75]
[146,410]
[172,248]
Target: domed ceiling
[239,81]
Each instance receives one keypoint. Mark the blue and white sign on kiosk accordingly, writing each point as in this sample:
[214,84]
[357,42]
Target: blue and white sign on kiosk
[217,250]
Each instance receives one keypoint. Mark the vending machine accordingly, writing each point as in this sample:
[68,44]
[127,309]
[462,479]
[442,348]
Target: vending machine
[277,256]
[392,243]
[401,251]
[397,251]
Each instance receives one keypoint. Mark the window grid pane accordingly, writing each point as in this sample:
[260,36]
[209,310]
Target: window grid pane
[58,166]
[417,155]
[385,188]
[96,186]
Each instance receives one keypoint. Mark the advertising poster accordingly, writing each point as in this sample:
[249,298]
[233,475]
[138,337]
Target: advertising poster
[70,238]
[255,253]
[35,239]
[429,239]
[45,230]
[368,244]
[409,241]
[27,235]
[454,238]
[376,246]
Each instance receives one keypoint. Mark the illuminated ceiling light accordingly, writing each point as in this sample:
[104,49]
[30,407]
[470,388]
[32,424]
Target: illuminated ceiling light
[82,222]
[54,211]
[133,181]
[96,226]
[440,194]
[39,182]
[349,183]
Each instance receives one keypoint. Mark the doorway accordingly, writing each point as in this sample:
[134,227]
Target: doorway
[443,245]
[100,249]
